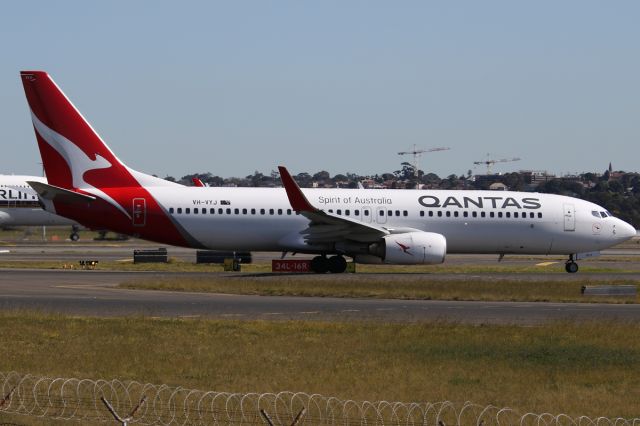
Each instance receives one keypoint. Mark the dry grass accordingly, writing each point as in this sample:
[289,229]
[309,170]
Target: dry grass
[580,369]
[396,287]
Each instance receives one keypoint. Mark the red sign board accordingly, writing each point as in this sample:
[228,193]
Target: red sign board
[291,266]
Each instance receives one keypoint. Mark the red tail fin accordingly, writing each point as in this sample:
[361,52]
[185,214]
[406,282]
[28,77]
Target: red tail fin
[73,154]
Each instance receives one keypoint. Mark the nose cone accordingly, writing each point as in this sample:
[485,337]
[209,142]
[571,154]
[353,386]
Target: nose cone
[624,231]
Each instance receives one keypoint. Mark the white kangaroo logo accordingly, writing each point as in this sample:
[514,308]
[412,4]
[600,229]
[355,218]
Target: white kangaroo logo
[79,163]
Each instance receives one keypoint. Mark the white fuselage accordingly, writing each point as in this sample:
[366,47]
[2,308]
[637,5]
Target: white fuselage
[19,204]
[471,221]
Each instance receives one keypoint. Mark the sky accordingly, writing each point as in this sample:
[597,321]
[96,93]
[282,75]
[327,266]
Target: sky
[235,87]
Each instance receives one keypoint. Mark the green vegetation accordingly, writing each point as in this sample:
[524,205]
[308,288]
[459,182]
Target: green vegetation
[580,369]
[398,287]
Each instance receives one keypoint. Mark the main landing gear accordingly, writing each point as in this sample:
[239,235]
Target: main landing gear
[571,266]
[333,264]
[74,236]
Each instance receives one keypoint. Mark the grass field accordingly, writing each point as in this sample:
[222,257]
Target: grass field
[397,287]
[579,369]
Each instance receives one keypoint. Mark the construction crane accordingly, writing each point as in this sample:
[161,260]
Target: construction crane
[490,162]
[417,153]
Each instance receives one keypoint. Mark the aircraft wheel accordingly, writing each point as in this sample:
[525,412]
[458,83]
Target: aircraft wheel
[320,264]
[571,267]
[74,237]
[337,264]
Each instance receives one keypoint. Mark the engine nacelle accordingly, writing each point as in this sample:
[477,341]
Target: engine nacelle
[413,248]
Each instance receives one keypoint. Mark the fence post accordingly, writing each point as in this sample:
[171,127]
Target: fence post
[126,420]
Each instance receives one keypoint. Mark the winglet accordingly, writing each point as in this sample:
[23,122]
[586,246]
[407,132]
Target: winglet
[296,198]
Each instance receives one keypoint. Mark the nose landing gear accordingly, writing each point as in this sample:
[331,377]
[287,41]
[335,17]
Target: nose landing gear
[571,266]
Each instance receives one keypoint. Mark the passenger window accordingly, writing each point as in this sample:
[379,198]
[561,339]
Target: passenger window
[244,211]
[508,214]
[195,210]
[430,213]
[421,213]
[289,211]
[347,212]
[253,211]
[531,215]
[448,213]
[381,212]
[483,214]
[397,212]
[187,210]
[474,214]
[439,213]
[339,211]
[499,214]
[330,210]
[228,211]
[539,215]
[171,210]
[236,211]
[465,214]
[405,213]
[455,214]
[212,211]
[366,212]
[220,211]
[262,211]
[356,212]
[279,211]
[515,214]
[271,211]
[491,214]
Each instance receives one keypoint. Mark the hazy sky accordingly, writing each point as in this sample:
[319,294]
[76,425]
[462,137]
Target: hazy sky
[234,87]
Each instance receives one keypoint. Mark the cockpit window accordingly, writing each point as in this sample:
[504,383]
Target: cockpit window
[595,213]
[604,214]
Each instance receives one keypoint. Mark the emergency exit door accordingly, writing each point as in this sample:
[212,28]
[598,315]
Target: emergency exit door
[139,212]
[569,218]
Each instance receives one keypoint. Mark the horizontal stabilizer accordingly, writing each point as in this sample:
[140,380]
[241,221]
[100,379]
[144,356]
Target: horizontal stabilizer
[55,193]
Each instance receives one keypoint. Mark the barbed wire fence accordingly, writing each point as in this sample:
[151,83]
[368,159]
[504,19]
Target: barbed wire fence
[130,402]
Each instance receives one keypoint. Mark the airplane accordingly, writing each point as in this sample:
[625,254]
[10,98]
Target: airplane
[89,184]
[20,206]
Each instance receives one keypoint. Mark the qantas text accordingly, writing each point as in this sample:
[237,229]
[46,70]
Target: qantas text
[480,202]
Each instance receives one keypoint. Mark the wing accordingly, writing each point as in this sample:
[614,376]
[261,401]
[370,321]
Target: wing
[327,227]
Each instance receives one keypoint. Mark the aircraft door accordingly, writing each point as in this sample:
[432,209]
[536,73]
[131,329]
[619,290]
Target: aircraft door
[139,211]
[366,214]
[569,217]
[381,216]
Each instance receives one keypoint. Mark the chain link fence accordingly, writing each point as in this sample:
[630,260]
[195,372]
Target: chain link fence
[130,402]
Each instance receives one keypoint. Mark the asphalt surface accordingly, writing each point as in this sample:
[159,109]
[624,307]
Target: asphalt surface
[94,293]
[79,292]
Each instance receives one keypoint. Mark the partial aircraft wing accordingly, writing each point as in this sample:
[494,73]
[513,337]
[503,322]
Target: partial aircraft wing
[327,227]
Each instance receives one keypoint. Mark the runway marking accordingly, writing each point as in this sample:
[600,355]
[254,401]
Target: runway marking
[5,251]
[75,286]
[546,263]
[309,312]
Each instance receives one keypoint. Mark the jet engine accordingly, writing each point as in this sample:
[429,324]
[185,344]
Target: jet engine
[408,248]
